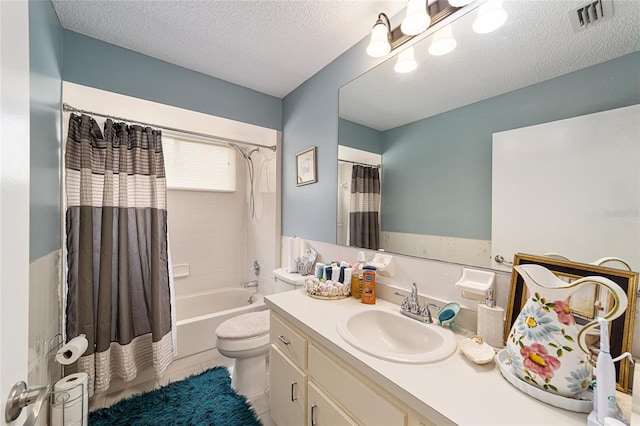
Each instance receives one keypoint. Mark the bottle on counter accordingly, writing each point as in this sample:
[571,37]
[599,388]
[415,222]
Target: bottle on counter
[356,277]
[369,285]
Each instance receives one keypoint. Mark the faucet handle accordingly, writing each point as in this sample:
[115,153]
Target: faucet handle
[425,308]
[405,301]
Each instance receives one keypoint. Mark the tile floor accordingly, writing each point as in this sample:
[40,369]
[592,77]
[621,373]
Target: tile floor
[178,370]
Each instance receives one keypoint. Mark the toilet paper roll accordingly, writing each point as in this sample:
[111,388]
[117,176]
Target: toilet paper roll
[293,254]
[69,353]
[70,405]
[491,325]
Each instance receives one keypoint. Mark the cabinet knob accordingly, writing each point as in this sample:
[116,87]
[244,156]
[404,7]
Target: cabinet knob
[293,397]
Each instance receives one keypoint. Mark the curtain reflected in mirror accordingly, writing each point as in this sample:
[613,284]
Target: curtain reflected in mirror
[359,176]
[364,211]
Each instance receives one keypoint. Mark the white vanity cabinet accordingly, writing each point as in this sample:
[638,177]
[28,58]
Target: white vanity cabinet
[288,390]
[288,376]
[311,386]
[323,411]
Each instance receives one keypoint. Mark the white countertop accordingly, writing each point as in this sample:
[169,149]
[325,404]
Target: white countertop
[454,390]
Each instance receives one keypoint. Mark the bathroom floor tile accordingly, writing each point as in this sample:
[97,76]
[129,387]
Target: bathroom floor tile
[96,402]
[260,403]
[266,419]
[178,375]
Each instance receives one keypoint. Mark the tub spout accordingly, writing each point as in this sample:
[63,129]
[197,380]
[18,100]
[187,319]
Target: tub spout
[251,284]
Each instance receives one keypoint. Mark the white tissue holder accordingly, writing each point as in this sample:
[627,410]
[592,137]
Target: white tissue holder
[383,263]
[475,284]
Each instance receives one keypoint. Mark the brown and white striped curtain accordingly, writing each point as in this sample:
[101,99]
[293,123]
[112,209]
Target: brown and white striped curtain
[364,211]
[116,223]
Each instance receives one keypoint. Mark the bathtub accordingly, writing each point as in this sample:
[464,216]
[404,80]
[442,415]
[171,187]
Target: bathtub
[198,315]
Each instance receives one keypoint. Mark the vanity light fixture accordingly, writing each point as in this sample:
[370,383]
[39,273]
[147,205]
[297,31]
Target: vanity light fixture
[443,42]
[491,16]
[417,18]
[406,61]
[380,43]
[421,14]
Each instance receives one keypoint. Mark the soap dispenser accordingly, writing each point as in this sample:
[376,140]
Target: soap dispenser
[491,321]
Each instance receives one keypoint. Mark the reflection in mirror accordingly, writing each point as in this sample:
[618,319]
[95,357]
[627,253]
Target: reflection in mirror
[358,198]
[435,131]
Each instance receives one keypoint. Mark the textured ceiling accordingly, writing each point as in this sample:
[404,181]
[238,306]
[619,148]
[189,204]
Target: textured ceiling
[536,43]
[268,46]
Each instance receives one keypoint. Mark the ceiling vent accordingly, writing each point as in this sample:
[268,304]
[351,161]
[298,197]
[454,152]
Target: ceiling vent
[590,14]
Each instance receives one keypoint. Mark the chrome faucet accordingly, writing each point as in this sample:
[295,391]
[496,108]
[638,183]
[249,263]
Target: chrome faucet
[411,307]
[414,303]
[253,283]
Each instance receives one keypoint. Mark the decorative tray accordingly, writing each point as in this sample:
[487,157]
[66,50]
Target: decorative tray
[582,403]
[315,296]
[326,290]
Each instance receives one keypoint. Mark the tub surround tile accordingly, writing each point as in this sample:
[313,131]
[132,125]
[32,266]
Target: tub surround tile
[44,320]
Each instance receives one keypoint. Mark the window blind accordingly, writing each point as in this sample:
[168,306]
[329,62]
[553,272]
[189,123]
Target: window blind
[199,166]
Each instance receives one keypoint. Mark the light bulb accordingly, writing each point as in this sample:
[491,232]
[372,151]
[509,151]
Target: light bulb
[406,61]
[379,44]
[443,42]
[491,16]
[417,19]
[459,3]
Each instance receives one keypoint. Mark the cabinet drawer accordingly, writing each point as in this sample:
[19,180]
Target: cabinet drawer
[324,412]
[288,390]
[364,403]
[289,341]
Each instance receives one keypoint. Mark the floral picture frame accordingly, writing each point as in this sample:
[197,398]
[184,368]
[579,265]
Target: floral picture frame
[621,329]
[306,167]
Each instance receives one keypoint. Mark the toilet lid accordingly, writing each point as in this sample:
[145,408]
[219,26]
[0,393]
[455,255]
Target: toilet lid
[253,324]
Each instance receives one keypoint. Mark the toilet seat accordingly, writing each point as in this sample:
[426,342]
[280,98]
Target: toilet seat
[245,326]
[246,332]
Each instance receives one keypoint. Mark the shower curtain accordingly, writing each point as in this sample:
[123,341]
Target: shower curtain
[116,223]
[364,211]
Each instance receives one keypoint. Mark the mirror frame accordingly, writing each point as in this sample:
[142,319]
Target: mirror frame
[621,333]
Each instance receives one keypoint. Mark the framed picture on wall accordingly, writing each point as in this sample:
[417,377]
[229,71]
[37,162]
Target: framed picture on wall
[306,167]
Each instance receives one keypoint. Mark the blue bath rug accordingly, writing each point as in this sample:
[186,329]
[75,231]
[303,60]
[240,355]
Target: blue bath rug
[205,399]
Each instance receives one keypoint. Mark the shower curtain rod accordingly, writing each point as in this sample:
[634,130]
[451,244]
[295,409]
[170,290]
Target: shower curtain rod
[377,166]
[68,108]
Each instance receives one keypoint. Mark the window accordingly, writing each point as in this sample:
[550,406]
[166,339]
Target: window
[199,166]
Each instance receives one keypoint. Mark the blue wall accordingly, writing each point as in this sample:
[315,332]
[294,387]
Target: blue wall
[437,171]
[94,63]
[357,136]
[310,118]
[45,55]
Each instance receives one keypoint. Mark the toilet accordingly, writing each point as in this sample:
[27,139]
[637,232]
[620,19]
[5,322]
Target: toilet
[245,338]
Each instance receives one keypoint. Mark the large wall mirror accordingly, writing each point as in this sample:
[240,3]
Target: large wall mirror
[442,134]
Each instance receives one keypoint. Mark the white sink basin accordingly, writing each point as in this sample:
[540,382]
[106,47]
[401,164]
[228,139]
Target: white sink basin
[386,334]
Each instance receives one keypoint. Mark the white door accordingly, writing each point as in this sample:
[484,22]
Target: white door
[14,197]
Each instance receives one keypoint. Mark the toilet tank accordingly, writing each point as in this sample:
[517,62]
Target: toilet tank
[286,281]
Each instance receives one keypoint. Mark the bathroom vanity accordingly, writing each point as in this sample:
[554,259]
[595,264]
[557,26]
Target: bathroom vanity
[318,378]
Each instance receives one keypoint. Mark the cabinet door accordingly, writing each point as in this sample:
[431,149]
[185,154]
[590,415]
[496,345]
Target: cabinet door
[288,390]
[323,412]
